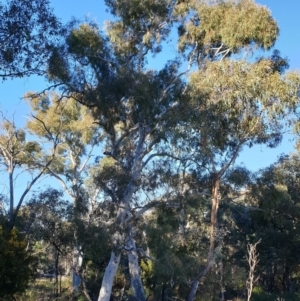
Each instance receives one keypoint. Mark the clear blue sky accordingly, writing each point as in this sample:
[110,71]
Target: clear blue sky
[286,14]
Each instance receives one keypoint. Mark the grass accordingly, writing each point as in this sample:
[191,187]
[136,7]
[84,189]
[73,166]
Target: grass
[45,290]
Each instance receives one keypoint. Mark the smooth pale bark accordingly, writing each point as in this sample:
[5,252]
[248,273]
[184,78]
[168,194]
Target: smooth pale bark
[77,265]
[134,269]
[109,276]
[213,229]
[112,267]
[124,208]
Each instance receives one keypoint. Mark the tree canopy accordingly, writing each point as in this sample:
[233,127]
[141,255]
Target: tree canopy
[28,30]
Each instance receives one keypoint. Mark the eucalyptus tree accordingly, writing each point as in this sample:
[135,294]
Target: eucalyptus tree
[131,105]
[19,155]
[240,104]
[77,138]
[234,103]
[138,108]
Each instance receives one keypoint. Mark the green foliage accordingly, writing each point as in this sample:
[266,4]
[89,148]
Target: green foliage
[28,28]
[276,222]
[69,121]
[229,26]
[57,66]
[14,147]
[259,295]
[139,26]
[238,176]
[239,87]
[85,41]
[49,215]
[179,250]
[17,264]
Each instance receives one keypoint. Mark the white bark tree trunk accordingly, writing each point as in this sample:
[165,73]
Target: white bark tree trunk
[118,239]
[109,276]
[77,265]
[134,269]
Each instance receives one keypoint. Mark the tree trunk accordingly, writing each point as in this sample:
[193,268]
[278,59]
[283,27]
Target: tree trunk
[77,265]
[56,271]
[11,197]
[115,256]
[196,281]
[213,228]
[134,269]
[109,276]
[118,239]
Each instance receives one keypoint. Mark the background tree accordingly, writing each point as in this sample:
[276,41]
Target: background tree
[77,137]
[49,222]
[28,30]
[17,155]
[17,263]
[275,220]
[239,104]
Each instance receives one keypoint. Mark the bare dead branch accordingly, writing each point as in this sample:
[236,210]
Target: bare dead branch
[252,261]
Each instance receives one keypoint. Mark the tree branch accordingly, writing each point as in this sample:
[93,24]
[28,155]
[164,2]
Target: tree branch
[163,154]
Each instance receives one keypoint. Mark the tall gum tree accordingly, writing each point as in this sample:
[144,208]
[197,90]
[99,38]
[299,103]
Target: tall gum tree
[135,106]
[17,155]
[131,106]
[237,104]
[77,137]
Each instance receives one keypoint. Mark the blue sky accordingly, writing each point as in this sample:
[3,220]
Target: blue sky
[286,14]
